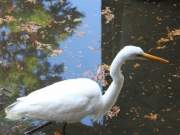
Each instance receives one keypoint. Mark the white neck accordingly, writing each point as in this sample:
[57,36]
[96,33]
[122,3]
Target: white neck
[112,93]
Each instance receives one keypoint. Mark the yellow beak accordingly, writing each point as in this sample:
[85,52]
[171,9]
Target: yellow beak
[154,58]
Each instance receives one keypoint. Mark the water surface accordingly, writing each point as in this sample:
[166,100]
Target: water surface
[150,89]
[42,42]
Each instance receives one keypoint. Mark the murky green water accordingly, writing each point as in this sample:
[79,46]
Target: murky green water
[42,42]
[149,87]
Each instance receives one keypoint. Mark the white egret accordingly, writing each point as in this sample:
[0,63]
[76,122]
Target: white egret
[74,99]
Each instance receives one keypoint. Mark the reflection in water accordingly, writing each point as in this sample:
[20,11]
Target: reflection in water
[82,52]
[30,32]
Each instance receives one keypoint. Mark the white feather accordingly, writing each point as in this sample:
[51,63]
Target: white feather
[69,100]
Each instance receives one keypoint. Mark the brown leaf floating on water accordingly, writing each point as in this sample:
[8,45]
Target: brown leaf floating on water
[57,132]
[158,18]
[113,112]
[169,37]
[108,15]
[137,65]
[151,116]
[102,72]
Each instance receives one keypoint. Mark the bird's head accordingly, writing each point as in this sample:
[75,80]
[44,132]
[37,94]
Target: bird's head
[134,52]
[131,53]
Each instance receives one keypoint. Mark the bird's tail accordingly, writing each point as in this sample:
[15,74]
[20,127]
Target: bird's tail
[11,113]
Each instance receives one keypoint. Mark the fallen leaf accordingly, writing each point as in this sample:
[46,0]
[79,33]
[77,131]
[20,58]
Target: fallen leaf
[57,132]
[101,73]
[137,65]
[107,13]
[151,116]
[113,112]
[158,18]
[169,37]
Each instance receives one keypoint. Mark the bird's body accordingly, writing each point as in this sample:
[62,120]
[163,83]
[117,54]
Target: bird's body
[51,103]
[72,100]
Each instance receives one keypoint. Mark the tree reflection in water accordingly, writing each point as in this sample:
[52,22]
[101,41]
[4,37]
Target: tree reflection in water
[30,32]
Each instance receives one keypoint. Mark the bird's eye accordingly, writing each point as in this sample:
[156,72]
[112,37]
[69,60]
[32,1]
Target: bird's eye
[138,55]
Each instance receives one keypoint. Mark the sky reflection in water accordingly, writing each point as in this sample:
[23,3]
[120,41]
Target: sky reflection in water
[82,51]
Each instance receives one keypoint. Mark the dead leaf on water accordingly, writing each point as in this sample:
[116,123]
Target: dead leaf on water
[170,36]
[137,65]
[115,110]
[57,132]
[108,15]
[102,72]
[151,116]
[158,18]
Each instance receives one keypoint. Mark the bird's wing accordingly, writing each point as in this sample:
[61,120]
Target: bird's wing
[61,100]
[81,86]
[56,107]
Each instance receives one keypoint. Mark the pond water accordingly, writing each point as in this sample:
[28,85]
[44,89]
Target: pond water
[150,89]
[42,42]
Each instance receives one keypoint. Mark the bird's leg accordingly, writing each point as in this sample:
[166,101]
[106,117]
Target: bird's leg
[37,128]
[64,128]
